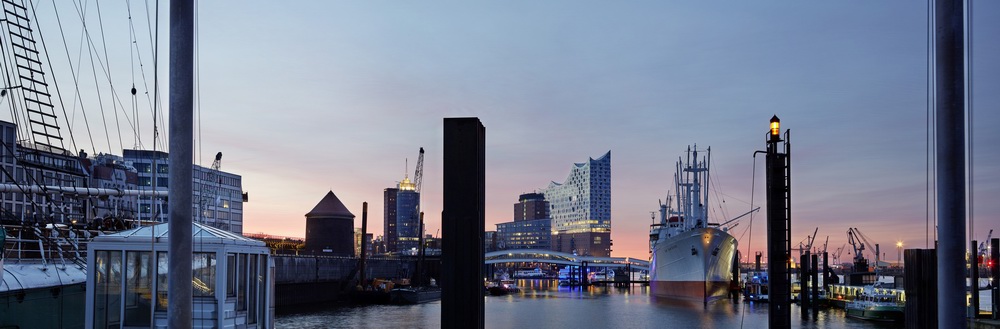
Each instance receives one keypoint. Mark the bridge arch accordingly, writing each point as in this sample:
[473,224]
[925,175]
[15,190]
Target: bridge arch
[562,258]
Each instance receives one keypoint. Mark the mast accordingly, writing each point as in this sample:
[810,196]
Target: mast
[179,303]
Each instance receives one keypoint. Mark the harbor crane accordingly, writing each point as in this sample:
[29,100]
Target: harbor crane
[984,253]
[856,238]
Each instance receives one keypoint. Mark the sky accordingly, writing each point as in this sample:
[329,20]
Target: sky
[314,96]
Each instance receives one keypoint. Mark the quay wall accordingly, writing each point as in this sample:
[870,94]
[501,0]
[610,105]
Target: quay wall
[319,279]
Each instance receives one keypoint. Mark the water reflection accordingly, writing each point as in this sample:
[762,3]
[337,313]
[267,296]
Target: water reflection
[545,304]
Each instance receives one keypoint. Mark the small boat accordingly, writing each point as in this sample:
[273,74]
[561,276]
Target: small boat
[502,287]
[755,289]
[535,273]
[872,304]
[410,296]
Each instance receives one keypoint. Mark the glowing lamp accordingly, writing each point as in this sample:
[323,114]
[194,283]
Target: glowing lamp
[775,126]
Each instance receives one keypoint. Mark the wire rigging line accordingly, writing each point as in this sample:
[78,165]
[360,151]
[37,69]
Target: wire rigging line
[104,43]
[76,82]
[156,85]
[753,183]
[92,49]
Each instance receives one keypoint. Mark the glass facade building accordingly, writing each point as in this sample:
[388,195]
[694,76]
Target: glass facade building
[580,208]
[525,234]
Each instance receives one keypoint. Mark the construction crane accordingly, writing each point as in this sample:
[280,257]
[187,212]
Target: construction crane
[418,179]
[217,164]
[418,173]
[210,187]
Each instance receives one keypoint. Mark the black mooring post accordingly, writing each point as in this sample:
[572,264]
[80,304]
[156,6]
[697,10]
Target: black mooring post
[778,228]
[364,243]
[463,224]
[994,276]
[974,273]
[826,269]
[814,290]
[804,301]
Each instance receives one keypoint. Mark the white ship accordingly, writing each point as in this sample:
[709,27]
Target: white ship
[692,259]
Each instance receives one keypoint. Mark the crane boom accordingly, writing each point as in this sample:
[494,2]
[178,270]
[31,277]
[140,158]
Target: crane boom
[418,174]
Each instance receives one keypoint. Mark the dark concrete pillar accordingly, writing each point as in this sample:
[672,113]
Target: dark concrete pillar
[921,288]
[463,223]
[949,28]
[364,243]
[814,284]
[974,275]
[995,275]
[804,295]
[826,273]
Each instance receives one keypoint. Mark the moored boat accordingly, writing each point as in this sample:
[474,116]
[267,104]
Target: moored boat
[535,273]
[875,305]
[692,259]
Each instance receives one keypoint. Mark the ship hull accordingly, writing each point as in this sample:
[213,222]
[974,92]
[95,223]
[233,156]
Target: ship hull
[695,265]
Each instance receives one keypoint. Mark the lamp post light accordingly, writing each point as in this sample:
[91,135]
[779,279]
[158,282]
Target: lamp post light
[775,128]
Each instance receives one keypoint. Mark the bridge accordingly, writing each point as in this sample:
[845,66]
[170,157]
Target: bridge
[562,258]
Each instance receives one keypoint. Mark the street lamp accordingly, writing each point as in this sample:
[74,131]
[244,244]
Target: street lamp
[775,127]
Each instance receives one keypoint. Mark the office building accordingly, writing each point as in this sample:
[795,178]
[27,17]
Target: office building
[531,228]
[217,195]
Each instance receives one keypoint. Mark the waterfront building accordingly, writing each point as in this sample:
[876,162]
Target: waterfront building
[110,171]
[27,164]
[525,234]
[407,216]
[218,196]
[402,216]
[531,206]
[358,238]
[490,241]
[330,228]
[580,208]
[389,220]
[531,228]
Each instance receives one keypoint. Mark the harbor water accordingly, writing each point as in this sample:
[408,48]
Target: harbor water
[543,304]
